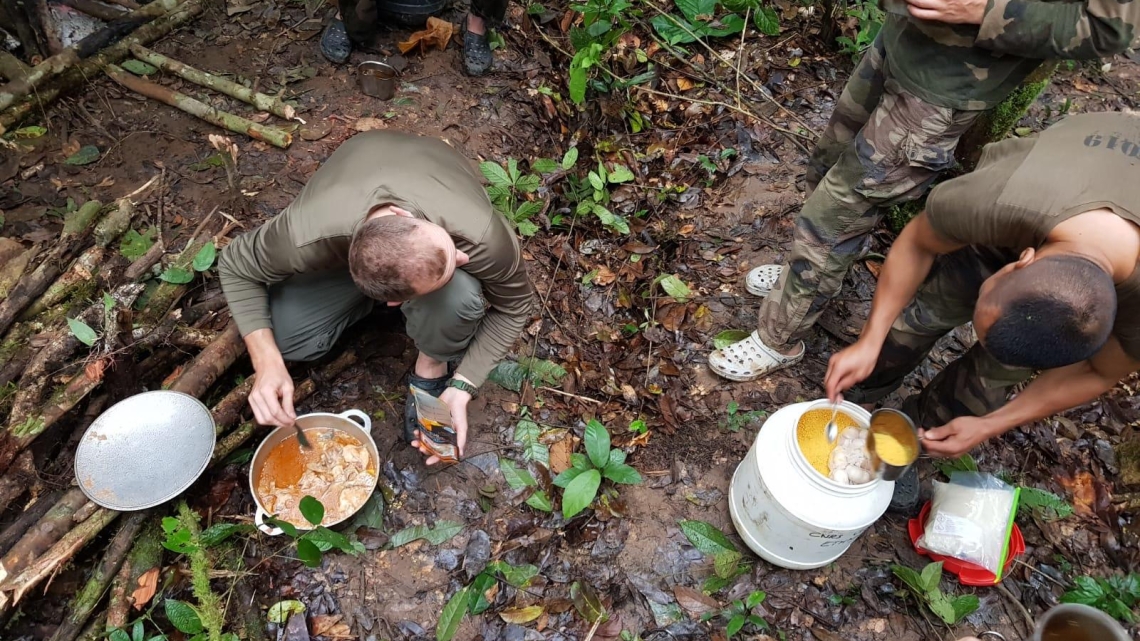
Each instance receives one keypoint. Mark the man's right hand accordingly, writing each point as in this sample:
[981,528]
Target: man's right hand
[272,394]
[850,367]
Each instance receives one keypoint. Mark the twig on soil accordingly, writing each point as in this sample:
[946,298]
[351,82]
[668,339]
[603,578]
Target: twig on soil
[580,398]
[272,135]
[1020,608]
[263,102]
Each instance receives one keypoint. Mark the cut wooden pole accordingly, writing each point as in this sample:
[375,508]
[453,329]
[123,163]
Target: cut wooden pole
[92,592]
[14,268]
[263,102]
[129,4]
[25,426]
[228,410]
[81,271]
[16,479]
[272,135]
[16,586]
[95,9]
[44,534]
[12,68]
[29,517]
[204,370]
[70,76]
[66,59]
[144,557]
[76,228]
[177,336]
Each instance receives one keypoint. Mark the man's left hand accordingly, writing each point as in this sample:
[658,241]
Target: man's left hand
[956,437]
[949,11]
[457,401]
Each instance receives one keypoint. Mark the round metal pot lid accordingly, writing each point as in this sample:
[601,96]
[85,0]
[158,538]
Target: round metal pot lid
[145,450]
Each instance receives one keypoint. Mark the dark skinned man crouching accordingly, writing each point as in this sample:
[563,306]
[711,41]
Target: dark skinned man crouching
[1039,248]
[389,217]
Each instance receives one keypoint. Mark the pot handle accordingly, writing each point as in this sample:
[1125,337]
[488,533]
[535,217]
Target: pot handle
[259,521]
[360,417]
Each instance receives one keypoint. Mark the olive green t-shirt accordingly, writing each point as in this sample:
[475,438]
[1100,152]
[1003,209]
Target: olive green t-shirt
[1024,187]
[423,175]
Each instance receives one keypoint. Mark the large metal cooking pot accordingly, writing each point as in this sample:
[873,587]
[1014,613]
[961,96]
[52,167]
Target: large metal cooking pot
[342,422]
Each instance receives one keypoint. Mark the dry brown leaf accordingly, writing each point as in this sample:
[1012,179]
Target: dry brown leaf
[106,182]
[368,124]
[560,455]
[438,33]
[94,370]
[694,602]
[71,147]
[684,84]
[519,616]
[320,624]
[628,393]
[148,585]
[604,276]
[1083,488]
[686,229]
[166,383]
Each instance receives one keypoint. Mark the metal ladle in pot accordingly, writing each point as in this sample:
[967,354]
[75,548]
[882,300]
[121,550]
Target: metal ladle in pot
[832,429]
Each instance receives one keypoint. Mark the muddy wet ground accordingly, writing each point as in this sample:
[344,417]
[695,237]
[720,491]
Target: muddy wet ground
[710,235]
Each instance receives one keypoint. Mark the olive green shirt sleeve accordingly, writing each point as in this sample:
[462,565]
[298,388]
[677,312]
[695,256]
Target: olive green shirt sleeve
[498,264]
[1071,30]
[259,258]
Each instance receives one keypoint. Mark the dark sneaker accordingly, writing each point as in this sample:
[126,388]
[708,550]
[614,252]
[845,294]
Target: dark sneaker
[477,56]
[433,386]
[335,44]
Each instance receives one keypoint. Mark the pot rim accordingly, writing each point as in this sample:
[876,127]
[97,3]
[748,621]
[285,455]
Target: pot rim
[343,416]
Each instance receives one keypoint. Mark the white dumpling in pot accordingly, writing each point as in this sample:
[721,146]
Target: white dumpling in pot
[857,475]
[838,459]
[840,476]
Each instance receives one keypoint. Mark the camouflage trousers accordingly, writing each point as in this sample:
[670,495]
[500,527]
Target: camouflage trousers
[973,385]
[883,146]
[362,20]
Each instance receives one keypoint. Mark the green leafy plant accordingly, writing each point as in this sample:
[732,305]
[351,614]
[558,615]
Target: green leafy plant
[638,426]
[734,419]
[964,463]
[134,245]
[478,597]
[698,21]
[508,191]
[592,195]
[729,336]
[138,633]
[512,374]
[82,331]
[312,544]
[580,482]
[519,478]
[673,286]
[1043,505]
[868,22]
[527,434]
[739,614]
[1115,595]
[727,560]
[924,587]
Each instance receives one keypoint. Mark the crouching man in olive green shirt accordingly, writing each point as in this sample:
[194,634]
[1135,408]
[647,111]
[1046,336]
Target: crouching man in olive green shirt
[389,217]
[1039,247]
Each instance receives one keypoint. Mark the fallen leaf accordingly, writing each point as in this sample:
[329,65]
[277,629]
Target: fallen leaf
[604,276]
[94,371]
[320,624]
[166,383]
[560,455]
[684,84]
[148,585]
[628,393]
[694,602]
[686,229]
[519,616]
[438,33]
[71,147]
[1083,488]
[106,182]
[368,124]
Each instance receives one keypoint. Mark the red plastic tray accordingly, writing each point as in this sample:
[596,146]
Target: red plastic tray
[967,573]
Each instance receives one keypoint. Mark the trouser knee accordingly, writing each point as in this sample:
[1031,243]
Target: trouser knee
[442,323]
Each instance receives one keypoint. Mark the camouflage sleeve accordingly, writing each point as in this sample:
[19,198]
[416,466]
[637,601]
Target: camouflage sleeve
[1077,30]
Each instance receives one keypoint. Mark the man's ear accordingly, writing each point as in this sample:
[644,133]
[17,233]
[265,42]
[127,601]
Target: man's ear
[394,303]
[401,212]
[1026,258]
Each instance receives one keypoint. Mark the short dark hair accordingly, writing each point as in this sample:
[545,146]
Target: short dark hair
[1055,312]
[384,262]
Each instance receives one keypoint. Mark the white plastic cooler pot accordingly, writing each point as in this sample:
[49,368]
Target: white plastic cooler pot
[786,511]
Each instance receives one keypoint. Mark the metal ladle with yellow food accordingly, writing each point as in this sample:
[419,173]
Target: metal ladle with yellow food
[892,441]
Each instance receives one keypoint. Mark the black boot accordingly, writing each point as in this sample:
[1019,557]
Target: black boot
[335,44]
[433,386]
[477,56]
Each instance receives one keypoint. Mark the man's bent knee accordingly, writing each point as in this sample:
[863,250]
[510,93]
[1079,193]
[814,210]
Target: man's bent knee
[443,322]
